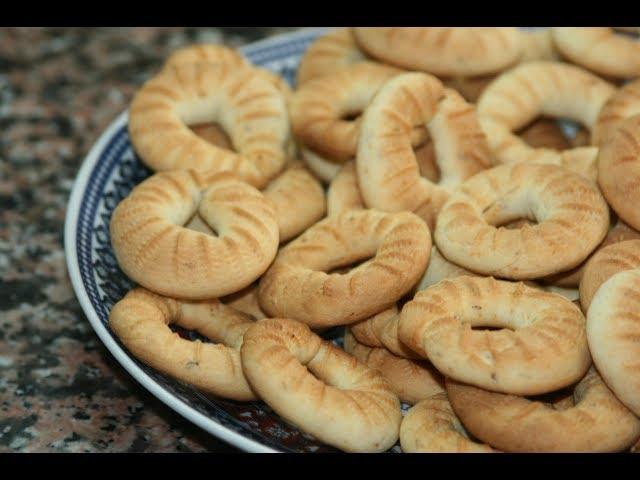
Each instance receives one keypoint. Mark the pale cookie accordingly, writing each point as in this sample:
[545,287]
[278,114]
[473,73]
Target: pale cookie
[319,388]
[388,174]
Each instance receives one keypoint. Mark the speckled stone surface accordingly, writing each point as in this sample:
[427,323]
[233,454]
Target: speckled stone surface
[60,389]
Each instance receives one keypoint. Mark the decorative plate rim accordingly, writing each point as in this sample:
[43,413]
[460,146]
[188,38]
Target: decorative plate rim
[81,182]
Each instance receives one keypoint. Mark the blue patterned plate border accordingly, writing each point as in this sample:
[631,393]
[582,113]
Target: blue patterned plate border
[107,174]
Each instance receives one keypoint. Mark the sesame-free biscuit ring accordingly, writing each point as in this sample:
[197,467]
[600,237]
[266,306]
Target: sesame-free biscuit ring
[245,301]
[606,263]
[431,426]
[318,387]
[141,321]
[443,51]
[531,89]
[213,53]
[344,193]
[248,108]
[297,286]
[619,171]
[572,219]
[599,49]
[381,331]
[597,422]
[329,53]
[297,198]
[322,167]
[541,345]
[620,232]
[388,174]
[613,332]
[319,107]
[620,106]
[155,250]
[411,380]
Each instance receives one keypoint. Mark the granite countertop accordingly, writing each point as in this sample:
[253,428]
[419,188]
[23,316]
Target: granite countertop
[60,389]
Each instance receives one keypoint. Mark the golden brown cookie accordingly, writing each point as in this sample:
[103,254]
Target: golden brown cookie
[599,49]
[606,263]
[249,109]
[598,422]
[620,106]
[571,214]
[298,286]
[431,426]
[155,250]
[554,89]
[443,51]
[141,321]
[411,380]
[540,345]
[619,171]
[329,53]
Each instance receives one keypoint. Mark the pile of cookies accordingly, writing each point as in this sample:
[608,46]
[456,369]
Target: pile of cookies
[416,189]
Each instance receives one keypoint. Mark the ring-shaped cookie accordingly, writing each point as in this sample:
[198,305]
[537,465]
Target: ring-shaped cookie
[298,200]
[619,171]
[411,380]
[606,263]
[155,250]
[323,168]
[443,51]
[388,174]
[329,53]
[554,89]
[572,219]
[381,331]
[248,108]
[141,321]
[620,106]
[571,279]
[541,345]
[431,426]
[597,422]
[344,193]
[613,332]
[297,285]
[320,109]
[599,49]
[213,53]
[320,388]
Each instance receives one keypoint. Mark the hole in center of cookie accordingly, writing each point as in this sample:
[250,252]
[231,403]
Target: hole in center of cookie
[426,158]
[214,134]
[554,133]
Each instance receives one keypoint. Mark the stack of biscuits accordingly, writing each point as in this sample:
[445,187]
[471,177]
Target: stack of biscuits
[419,190]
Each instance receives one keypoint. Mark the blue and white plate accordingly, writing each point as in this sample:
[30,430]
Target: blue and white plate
[107,175]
